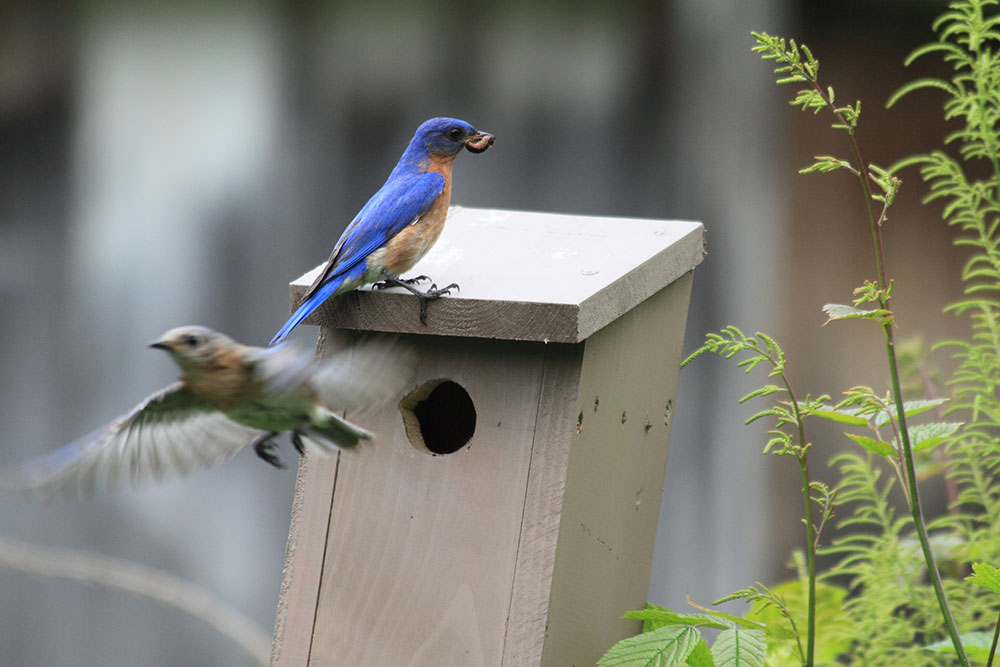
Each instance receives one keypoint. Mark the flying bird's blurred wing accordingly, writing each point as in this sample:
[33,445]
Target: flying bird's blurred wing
[282,368]
[170,434]
[365,376]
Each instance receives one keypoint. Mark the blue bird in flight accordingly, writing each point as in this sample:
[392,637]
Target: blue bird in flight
[399,224]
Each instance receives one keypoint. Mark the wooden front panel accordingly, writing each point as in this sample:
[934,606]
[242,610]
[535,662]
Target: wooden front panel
[416,564]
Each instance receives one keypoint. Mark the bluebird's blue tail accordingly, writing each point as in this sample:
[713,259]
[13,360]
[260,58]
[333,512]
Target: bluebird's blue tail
[308,306]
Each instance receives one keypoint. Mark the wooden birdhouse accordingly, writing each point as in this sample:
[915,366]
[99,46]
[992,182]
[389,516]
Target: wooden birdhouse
[506,513]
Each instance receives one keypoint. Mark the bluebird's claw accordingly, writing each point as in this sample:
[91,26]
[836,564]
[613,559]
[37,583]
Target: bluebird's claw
[265,446]
[399,282]
[433,292]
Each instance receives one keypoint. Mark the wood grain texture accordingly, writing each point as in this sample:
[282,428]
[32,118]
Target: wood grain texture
[543,505]
[526,276]
[300,578]
[614,481]
[421,550]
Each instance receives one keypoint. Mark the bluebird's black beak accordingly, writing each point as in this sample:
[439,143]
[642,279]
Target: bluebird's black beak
[479,142]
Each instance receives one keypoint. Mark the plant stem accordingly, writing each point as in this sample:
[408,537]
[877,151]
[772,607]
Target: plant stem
[810,563]
[915,509]
[897,393]
[993,646]
[810,528]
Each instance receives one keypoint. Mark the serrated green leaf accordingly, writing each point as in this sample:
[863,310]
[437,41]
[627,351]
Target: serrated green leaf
[841,417]
[648,624]
[659,617]
[740,647]
[840,311]
[874,446]
[926,436]
[665,647]
[701,656]
[910,409]
[986,576]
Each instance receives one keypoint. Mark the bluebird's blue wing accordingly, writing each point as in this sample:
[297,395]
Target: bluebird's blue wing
[400,202]
[170,434]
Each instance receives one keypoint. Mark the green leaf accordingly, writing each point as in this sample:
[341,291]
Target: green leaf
[700,656]
[665,647]
[880,447]
[919,84]
[841,417]
[760,415]
[926,436]
[730,620]
[910,409]
[649,624]
[986,576]
[766,390]
[654,617]
[839,311]
[825,164]
[977,645]
[739,647]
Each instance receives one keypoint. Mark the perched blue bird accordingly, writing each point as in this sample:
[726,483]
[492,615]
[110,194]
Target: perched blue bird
[228,396]
[400,223]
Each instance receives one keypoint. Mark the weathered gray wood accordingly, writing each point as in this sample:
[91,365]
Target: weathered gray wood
[421,549]
[614,481]
[526,276]
[300,579]
[543,504]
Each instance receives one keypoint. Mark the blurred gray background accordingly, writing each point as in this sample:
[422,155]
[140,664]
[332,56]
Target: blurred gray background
[162,165]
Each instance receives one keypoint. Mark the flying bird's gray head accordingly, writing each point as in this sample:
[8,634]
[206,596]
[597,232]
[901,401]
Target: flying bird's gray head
[192,346]
[448,136]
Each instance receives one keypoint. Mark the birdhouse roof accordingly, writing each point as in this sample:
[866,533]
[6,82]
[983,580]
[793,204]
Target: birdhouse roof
[525,276]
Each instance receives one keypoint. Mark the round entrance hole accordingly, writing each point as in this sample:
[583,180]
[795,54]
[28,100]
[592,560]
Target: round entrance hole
[439,417]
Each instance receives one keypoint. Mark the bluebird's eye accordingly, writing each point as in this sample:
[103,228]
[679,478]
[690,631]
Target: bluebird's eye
[455,134]
[191,340]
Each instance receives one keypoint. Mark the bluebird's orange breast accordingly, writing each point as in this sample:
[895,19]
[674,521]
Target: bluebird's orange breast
[407,247]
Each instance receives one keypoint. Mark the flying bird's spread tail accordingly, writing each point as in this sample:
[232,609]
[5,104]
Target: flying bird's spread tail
[401,221]
[337,430]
